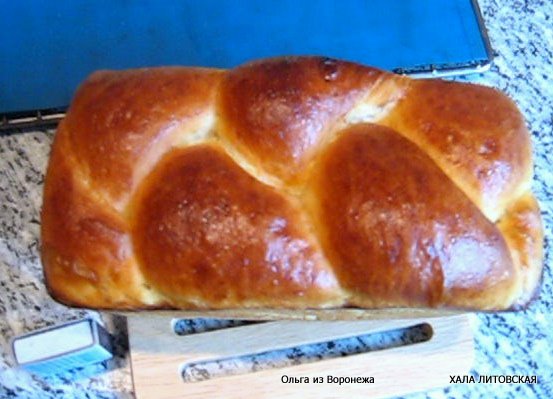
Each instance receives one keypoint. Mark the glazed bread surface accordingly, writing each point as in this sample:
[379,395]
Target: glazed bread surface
[289,183]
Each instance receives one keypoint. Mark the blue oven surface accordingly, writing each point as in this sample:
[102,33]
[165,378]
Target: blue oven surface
[48,47]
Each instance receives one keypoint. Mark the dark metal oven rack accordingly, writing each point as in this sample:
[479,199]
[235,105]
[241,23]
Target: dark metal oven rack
[39,119]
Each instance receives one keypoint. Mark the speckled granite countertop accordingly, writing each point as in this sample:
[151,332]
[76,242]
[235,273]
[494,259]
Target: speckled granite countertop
[521,33]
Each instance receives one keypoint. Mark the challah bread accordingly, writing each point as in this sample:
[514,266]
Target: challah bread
[289,183]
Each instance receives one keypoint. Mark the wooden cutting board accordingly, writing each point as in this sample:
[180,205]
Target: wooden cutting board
[158,356]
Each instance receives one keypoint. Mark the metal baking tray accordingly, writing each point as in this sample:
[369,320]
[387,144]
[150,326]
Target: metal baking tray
[47,49]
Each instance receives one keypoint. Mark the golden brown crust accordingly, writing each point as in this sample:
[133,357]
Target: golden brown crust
[474,133]
[277,112]
[398,231]
[116,118]
[215,235]
[282,186]
[86,248]
[523,231]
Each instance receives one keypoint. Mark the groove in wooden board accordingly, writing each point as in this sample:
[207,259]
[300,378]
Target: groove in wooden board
[157,356]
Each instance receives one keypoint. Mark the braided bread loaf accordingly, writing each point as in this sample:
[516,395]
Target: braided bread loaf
[289,183]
